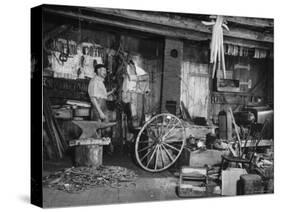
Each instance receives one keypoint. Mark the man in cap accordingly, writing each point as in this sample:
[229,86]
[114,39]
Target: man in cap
[98,94]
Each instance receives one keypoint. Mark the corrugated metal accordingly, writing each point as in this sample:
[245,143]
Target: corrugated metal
[195,88]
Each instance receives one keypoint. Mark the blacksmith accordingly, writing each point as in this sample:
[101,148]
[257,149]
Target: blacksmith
[98,94]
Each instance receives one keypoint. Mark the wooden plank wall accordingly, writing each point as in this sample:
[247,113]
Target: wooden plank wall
[195,88]
[197,93]
[195,76]
[154,68]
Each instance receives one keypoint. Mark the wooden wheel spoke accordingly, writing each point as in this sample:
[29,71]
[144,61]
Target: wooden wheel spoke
[158,128]
[146,154]
[145,148]
[162,126]
[156,159]
[171,121]
[171,136]
[152,155]
[168,153]
[157,131]
[172,147]
[151,135]
[162,157]
[157,146]
[170,130]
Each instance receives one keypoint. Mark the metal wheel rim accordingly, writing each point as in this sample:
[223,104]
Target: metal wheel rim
[158,151]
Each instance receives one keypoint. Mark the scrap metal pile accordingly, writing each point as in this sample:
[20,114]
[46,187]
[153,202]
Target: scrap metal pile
[78,179]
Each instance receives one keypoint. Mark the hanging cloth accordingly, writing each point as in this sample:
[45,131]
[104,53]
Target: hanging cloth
[216,47]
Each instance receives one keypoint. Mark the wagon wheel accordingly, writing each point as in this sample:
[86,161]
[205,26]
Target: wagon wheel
[160,142]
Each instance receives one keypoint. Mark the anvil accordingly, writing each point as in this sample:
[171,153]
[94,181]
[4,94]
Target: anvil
[89,128]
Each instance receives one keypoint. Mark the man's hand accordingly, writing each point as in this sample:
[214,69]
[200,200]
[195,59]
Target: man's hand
[111,92]
[102,116]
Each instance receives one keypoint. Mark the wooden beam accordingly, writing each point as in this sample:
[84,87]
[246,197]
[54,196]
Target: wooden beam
[185,23]
[248,43]
[161,30]
[256,22]
[138,26]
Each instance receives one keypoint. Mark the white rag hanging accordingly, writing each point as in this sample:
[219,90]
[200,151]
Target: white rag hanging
[217,48]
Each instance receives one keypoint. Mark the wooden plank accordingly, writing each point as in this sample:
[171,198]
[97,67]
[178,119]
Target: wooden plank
[186,23]
[198,132]
[257,22]
[209,157]
[153,67]
[179,33]
[201,75]
[263,143]
[195,76]
[162,30]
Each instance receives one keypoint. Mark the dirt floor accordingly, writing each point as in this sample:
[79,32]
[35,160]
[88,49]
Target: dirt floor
[147,186]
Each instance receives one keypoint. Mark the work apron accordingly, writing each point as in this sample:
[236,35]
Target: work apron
[94,112]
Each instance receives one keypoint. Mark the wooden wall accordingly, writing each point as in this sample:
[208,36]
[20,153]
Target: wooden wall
[197,89]
[154,68]
[191,65]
